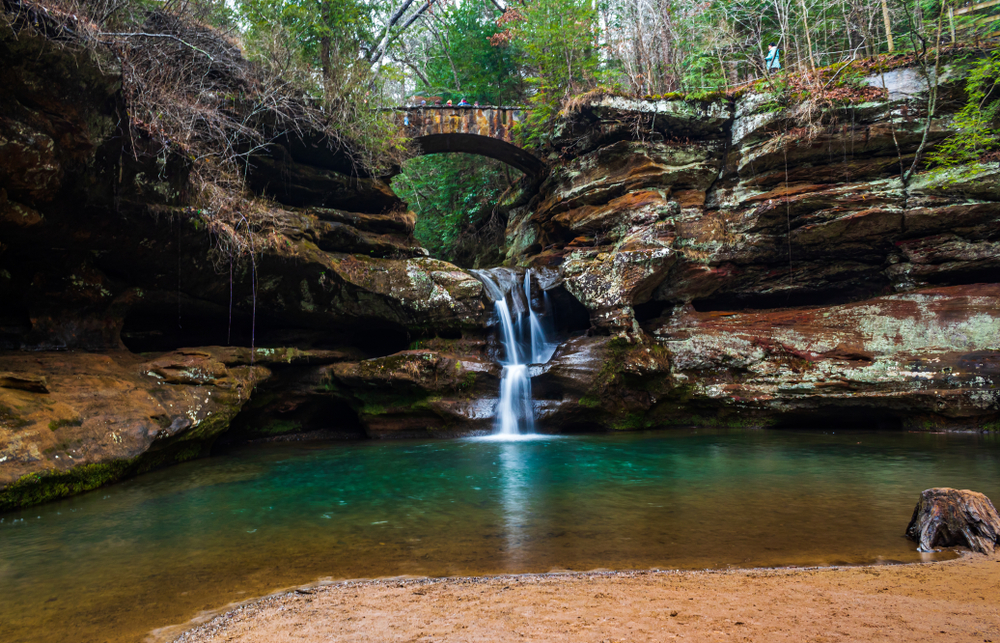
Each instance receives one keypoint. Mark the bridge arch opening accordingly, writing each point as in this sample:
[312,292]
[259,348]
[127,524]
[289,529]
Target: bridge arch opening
[483,131]
[481,146]
[462,203]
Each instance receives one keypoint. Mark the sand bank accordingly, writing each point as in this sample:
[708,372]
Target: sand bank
[956,600]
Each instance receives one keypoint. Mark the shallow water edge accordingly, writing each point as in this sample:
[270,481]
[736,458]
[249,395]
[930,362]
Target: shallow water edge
[212,619]
[114,564]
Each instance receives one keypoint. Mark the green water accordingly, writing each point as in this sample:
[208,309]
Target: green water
[118,562]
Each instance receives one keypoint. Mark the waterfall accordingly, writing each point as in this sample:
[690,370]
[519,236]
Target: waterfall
[525,341]
[541,345]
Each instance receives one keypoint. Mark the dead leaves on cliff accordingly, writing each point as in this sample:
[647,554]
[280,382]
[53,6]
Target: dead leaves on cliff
[188,93]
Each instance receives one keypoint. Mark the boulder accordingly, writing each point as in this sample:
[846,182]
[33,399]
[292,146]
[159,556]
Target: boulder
[74,421]
[419,393]
[946,517]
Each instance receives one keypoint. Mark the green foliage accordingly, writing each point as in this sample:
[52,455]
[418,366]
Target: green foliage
[343,24]
[978,122]
[455,197]
[315,45]
[558,38]
[483,72]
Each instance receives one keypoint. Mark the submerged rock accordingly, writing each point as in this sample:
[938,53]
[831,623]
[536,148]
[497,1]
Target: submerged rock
[946,517]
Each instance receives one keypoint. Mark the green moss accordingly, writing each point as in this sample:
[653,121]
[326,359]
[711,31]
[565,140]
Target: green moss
[632,422]
[725,420]
[11,420]
[55,425]
[211,426]
[36,488]
[590,401]
[382,402]
[280,427]
[188,452]
[467,382]
[992,426]
[262,400]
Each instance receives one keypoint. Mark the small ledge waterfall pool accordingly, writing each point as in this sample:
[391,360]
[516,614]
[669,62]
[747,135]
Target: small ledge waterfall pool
[527,338]
[110,565]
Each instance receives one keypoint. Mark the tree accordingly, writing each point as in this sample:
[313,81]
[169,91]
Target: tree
[326,33]
[470,65]
[978,122]
[455,197]
[558,38]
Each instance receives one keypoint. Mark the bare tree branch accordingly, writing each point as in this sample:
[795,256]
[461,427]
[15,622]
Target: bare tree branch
[379,50]
[157,35]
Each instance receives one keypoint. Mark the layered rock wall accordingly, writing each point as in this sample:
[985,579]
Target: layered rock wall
[103,257]
[742,263]
[751,263]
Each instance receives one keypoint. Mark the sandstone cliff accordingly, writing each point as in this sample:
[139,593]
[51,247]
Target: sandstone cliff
[103,258]
[758,264]
[720,263]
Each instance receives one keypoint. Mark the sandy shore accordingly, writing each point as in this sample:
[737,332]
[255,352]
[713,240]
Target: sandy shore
[957,600]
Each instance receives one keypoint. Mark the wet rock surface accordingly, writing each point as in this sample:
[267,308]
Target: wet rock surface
[101,417]
[773,260]
[946,517]
[775,207]
[419,393]
[101,251]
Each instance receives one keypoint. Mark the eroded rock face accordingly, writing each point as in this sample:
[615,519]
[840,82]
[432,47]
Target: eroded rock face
[946,517]
[924,360]
[100,250]
[98,239]
[419,393]
[775,263]
[741,204]
[70,422]
[738,270]
[921,359]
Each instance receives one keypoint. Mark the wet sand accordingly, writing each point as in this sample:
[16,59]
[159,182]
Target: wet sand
[957,600]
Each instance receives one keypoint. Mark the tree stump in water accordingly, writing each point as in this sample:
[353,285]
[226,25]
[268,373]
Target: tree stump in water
[947,517]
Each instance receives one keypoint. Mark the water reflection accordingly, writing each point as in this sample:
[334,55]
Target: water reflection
[110,565]
[515,500]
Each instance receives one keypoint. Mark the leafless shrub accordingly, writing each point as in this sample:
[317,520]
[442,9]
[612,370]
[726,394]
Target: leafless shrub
[189,90]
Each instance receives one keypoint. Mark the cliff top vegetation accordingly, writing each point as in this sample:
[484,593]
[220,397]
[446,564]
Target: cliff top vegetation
[216,81]
[198,90]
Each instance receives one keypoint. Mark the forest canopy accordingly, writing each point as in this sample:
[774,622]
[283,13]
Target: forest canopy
[360,53]
[349,60]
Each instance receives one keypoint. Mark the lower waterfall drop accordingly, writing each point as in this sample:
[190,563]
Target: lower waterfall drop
[525,341]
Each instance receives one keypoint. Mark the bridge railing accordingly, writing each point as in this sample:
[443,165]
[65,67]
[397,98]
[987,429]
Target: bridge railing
[410,108]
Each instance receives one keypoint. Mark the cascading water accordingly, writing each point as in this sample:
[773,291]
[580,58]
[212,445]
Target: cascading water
[541,345]
[525,341]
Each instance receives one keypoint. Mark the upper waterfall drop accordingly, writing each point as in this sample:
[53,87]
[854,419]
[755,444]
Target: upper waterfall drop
[542,346]
[525,341]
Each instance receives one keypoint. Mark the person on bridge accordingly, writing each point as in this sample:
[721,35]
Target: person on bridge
[477,104]
[463,103]
[771,62]
[449,103]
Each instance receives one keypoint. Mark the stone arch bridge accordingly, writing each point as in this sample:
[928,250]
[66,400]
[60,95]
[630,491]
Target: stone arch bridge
[486,131]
